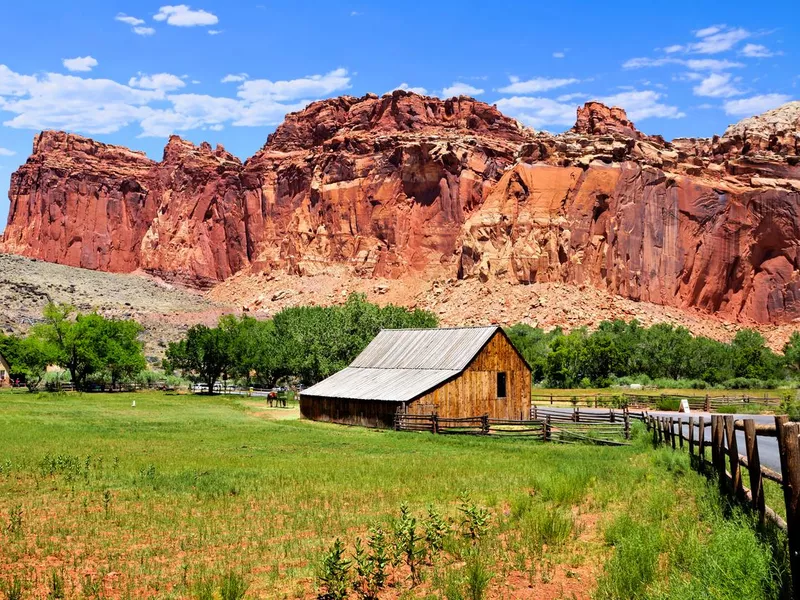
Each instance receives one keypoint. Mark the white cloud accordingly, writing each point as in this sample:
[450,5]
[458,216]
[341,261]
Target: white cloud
[97,106]
[717,85]
[558,55]
[755,104]
[460,88]
[538,112]
[132,21]
[695,64]
[355,13]
[417,90]
[80,63]
[14,84]
[537,84]
[159,81]
[709,30]
[718,38]
[214,32]
[182,15]
[571,97]
[711,64]
[757,51]
[642,104]
[6,152]
[234,78]
[311,86]
[674,48]
[135,23]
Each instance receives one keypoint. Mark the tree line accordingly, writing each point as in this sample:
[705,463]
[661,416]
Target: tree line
[308,343]
[622,352]
[92,348]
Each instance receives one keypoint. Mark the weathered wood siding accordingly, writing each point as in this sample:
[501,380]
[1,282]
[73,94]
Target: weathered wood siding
[474,391]
[367,413]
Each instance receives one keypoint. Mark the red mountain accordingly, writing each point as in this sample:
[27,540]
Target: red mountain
[411,186]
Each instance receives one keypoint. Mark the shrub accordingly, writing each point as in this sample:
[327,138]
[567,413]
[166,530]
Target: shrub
[334,572]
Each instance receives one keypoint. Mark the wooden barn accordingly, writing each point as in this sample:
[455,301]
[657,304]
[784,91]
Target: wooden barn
[452,372]
[5,372]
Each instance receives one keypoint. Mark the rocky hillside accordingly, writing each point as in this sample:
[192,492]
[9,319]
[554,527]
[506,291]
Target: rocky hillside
[165,311]
[409,188]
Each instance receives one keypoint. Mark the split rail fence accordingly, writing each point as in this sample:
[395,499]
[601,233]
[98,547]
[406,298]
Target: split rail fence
[727,464]
[549,426]
[705,403]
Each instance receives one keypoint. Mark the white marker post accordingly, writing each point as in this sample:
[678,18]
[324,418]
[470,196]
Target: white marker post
[684,406]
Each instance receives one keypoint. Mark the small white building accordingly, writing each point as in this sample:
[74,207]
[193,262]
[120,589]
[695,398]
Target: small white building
[5,372]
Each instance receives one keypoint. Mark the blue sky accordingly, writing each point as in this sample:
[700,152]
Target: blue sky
[133,72]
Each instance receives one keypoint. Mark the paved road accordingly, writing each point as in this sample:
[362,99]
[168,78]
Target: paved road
[767,446]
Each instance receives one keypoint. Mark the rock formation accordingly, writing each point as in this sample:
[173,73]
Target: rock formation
[411,186]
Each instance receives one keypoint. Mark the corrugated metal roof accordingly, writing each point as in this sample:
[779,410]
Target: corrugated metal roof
[446,348]
[398,385]
[401,364]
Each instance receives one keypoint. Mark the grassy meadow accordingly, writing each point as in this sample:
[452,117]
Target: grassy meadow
[217,497]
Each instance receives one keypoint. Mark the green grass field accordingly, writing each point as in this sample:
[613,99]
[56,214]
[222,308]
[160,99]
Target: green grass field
[179,494]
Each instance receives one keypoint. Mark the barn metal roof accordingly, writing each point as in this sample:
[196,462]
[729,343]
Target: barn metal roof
[402,364]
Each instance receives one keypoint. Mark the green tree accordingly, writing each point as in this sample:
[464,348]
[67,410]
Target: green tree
[121,351]
[33,358]
[10,347]
[89,344]
[204,355]
[791,353]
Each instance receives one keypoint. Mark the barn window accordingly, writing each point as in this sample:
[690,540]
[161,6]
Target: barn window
[501,385]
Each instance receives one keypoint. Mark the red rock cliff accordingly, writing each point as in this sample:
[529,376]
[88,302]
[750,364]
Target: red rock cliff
[406,185]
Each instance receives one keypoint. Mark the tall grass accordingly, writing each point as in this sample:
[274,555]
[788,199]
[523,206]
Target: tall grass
[166,498]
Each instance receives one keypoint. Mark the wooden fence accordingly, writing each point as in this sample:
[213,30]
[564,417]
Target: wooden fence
[545,428]
[727,464]
[707,402]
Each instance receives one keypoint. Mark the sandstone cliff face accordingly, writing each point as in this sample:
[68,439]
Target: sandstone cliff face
[411,186]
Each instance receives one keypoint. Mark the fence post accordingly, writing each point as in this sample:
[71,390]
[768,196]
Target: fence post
[435,423]
[577,414]
[680,432]
[701,439]
[485,424]
[691,436]
[547,429]
[733,456]
[707,404]
[718,445]
[627,426]
[672,432]
[535,412]
[551,398]
[754,467]
[790,471]
[612,416]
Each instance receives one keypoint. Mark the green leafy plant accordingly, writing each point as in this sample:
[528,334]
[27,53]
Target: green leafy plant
[371,565]
[436,529]
[409,544]
[474,519]
[334,574]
